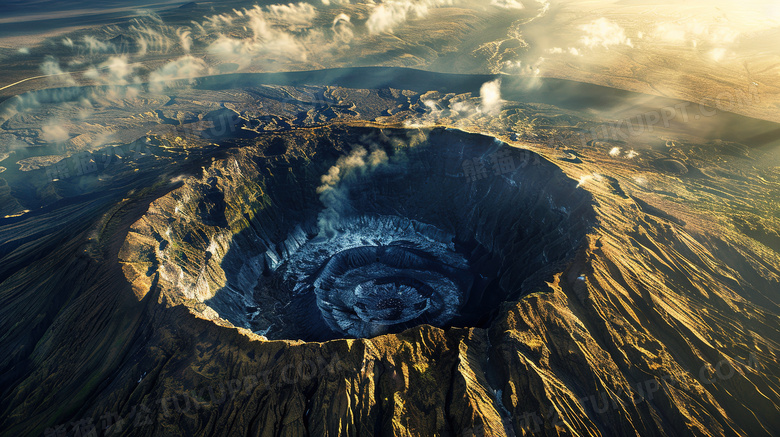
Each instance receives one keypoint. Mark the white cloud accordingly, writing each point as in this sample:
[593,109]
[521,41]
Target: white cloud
[114,71]
[51,67]
[615,152]
[186,67]
[54,132]
[342,28]
[269,45]
[490,93]
[220,21]
[388,15]
[558,50]
[185,39]
[277,34]
[605,33]
[461,110]
[527,69]
[92,45]
[151,39]
[718,54]
[507,4]
[298,15]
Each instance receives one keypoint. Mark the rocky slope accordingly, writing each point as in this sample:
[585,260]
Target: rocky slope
[660,317]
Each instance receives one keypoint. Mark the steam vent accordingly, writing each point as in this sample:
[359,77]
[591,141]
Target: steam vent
[386,231]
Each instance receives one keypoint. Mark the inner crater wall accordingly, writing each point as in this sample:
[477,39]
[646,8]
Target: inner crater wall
[355,232]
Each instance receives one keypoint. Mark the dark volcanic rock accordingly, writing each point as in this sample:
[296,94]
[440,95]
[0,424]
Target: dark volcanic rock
[579,310]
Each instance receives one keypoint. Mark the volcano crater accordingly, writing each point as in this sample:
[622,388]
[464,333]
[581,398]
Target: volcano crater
[397,229]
